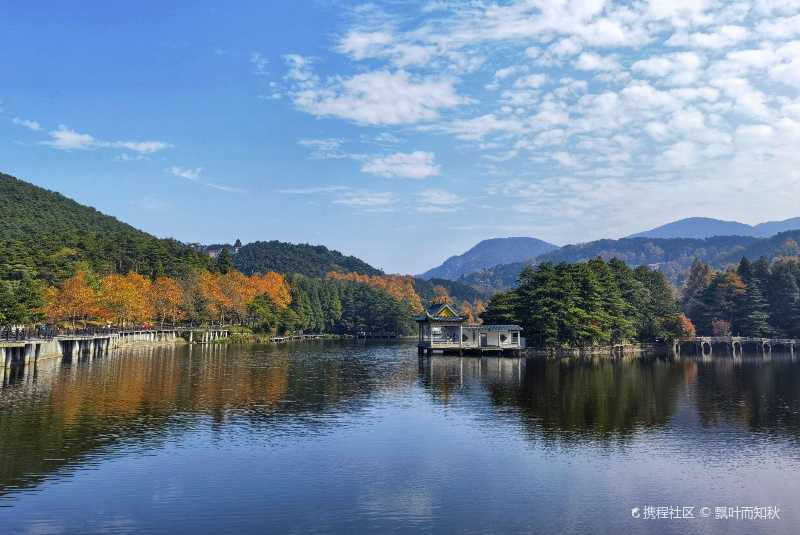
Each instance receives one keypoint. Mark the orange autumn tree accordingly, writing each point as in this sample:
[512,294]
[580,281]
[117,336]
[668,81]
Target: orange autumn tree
[441,297]
[166,298]
[479,308]
[274,286]
[74,300]
[473,311]
[125,299]
[216,302]
[468,312]
[400,287]
[237,292]
[687,328]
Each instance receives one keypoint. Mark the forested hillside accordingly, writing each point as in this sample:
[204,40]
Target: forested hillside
[65,263]
[44,234]
[305,259]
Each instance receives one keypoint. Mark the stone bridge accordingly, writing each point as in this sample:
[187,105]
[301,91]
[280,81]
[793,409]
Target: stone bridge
[732,346]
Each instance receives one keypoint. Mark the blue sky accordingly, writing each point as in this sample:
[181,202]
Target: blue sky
[403,132]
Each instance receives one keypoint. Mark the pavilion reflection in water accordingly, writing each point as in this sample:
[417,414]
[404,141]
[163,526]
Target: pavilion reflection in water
[486,369]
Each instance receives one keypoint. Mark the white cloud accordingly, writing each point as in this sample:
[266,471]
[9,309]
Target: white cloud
[589,61]
[366,199]
[187,173]
[779,28]
[313,190]
[417,165]
[64,138]
[531,81]
[379,97]
[438,200]
[193,175]
[787,70]
[677,69]
[723,37]
[362,45]
[27,123]
[259,63]
[440,197]
[681,154]
[479,127]
[142,147]
[325,149]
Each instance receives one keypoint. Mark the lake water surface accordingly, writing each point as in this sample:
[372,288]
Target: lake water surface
[355,438]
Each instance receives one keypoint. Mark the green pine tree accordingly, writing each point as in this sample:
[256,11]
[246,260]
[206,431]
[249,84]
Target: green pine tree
[751,312]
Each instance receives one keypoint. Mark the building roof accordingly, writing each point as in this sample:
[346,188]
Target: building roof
[494,327]
[441,312]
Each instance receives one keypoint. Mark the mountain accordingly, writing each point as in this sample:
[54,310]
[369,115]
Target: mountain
[310,260]
[672,256]
[770,228]
[489,253]
[706,227]
[458,290]
[46,234]
[496,278]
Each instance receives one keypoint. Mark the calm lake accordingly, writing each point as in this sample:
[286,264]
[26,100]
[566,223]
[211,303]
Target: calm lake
[355,438]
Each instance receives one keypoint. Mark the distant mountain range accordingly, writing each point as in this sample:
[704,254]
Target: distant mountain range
[489,253]
[672,256]
[706,227]
[494,264]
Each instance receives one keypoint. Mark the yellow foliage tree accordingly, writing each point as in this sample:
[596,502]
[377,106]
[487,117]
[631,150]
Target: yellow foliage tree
[211,292]
[237,291]
[441,297]
[274,285]
[468,312]
[74,300]
[166,298]
[478,309]
[125,299]
[400,287]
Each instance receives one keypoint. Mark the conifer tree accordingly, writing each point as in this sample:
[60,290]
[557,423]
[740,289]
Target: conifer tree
[501,309]
[225,261]
[751,311]
[784,299]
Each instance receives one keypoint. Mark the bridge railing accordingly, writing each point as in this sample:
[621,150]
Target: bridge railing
[47,332]
[731,339]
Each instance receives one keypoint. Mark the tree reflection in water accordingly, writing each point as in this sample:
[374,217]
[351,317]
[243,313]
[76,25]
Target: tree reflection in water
[613,399]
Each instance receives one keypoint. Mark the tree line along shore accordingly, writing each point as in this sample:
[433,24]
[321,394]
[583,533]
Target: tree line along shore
[581,304]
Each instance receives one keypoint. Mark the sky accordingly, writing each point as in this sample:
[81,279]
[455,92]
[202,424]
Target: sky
[405,132]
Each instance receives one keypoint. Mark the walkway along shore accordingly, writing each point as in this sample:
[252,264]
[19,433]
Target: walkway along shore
[20,354]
